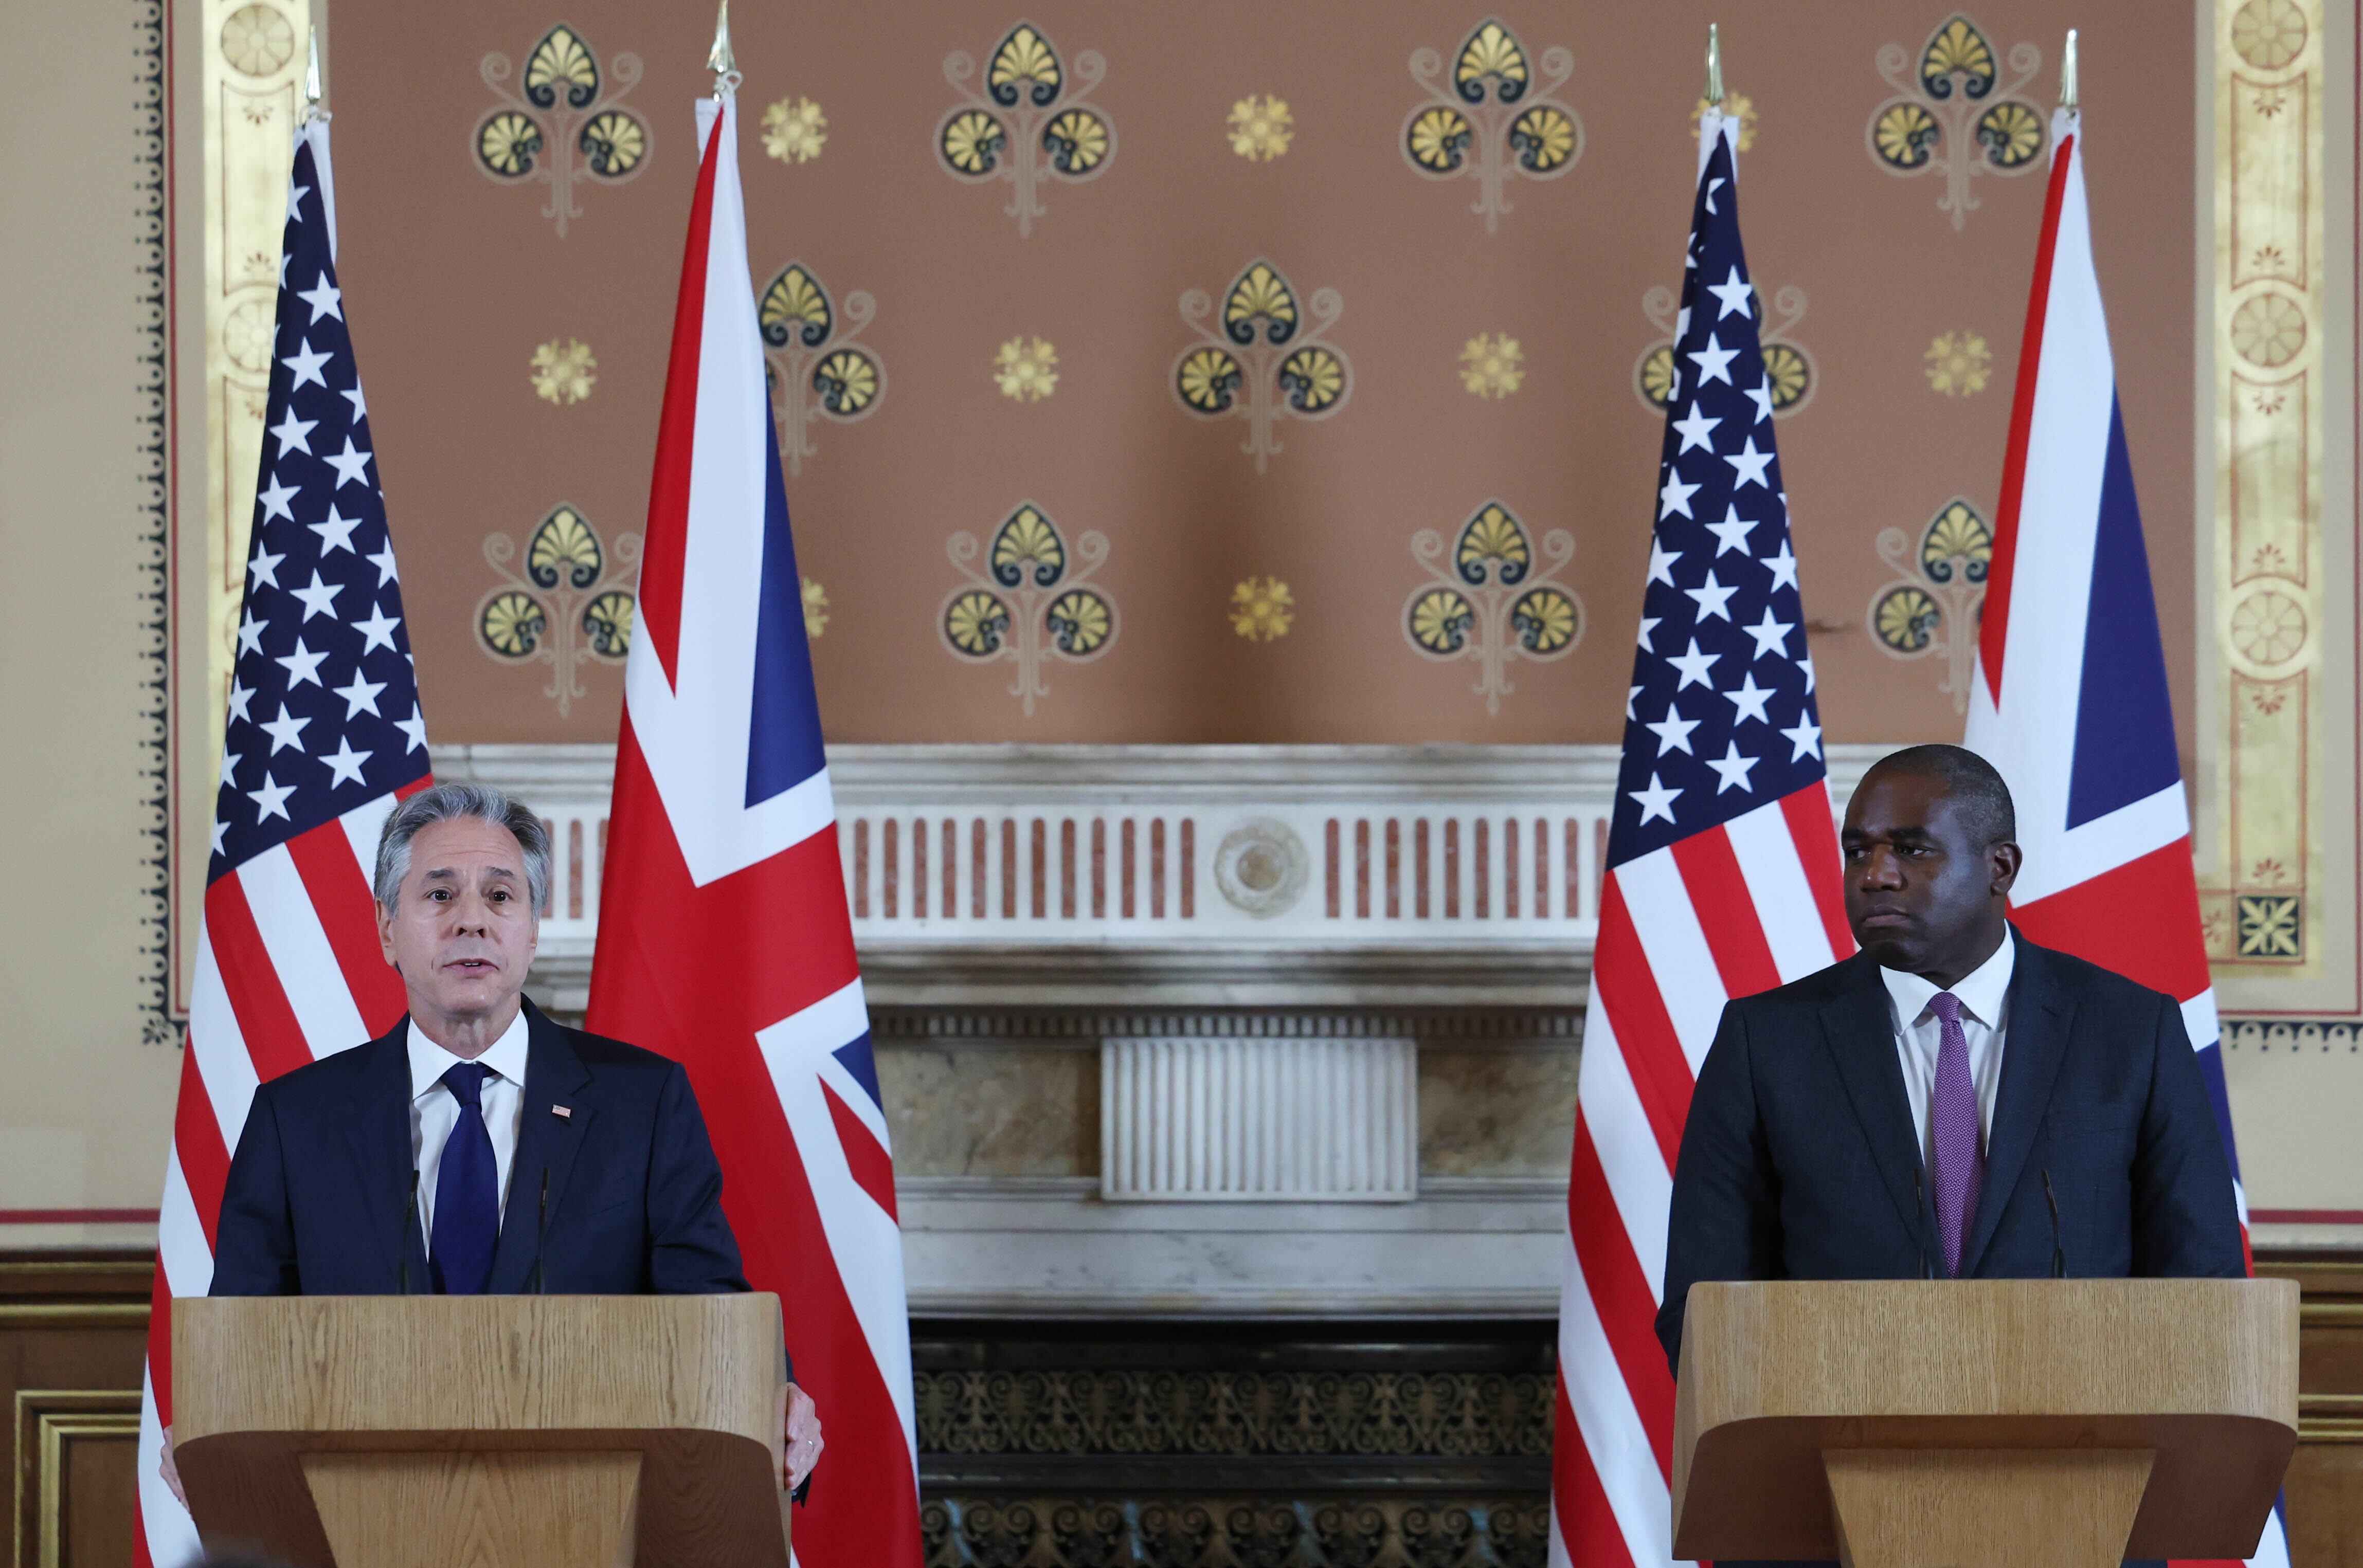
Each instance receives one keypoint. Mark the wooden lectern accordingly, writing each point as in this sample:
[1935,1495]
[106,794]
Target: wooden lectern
[1919,1423]
[522,1432]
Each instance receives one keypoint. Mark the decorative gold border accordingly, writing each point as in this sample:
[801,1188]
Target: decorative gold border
[2274,828]
[48,1419]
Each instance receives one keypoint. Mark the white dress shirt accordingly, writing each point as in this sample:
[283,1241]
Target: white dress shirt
[1984,994]
[434,1110]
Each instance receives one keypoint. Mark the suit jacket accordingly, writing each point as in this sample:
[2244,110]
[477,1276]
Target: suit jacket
[1800,1160]
[318,1198]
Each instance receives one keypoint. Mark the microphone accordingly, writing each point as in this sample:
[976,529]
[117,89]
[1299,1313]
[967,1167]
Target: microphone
[540,1230]
[409,1212]
[2059,1249]
[1920,1230]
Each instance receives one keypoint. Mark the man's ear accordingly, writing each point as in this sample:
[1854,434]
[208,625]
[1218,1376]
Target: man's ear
[385,936]
[2004,858]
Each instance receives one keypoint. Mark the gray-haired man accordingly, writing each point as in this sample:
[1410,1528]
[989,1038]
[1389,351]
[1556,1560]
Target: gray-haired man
[478,1146]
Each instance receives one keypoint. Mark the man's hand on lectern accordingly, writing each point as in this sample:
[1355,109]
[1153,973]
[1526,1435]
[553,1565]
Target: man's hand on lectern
[800,1416]
[173,1472]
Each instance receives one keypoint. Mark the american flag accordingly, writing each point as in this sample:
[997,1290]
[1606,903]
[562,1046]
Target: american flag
[324,735]
[1722,879]
[2070,701]
[724,939]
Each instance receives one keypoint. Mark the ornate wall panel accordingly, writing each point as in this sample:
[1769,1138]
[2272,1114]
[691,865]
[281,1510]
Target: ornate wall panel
[2275,783]
[250,60]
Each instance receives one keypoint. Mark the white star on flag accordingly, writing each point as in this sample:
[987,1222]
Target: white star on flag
[1747,701]
[1657,800]
[1712,598]
[337,532]
[352,466]
[1731,769]
[323,297]
[345,767]
[283,731]
[1731,534]
[1713,361]
[1694,665]
[1771,637]
[1736,295]
[307,366]
[1673,731]
[1695,430]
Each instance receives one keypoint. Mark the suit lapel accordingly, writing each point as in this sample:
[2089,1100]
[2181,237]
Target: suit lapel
[547,1141]
[378,1132]
[1859,1029]
[2035,1039]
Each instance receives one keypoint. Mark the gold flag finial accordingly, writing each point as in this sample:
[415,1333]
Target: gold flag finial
[2068,74]
[1713,65]
[720,60]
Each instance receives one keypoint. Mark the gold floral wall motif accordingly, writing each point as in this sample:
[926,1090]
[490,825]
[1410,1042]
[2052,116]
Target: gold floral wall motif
[1953,114]
[1031,123]
[569,604]
[2273,702]
[1487,604]
[1490,120]
[1931,608]
[1789,368]
[1260,128]
[815,369]
[563,124]
[795,130]
[1265,358]
[1032,601]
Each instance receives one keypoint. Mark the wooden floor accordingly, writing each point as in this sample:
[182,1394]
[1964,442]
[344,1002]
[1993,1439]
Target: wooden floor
[1356,1440]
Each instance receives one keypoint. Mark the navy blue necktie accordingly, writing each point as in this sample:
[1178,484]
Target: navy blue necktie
[467,1192]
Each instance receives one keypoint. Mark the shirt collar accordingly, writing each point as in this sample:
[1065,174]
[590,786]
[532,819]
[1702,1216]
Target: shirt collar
[429,1062]
[1983,991]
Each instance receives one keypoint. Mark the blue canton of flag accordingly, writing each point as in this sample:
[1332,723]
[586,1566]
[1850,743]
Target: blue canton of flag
[1721,717]
[324,699]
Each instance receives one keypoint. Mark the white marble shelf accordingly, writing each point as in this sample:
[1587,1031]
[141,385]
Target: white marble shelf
[1171,876]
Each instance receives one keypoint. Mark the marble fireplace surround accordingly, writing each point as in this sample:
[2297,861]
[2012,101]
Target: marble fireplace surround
[1249,896]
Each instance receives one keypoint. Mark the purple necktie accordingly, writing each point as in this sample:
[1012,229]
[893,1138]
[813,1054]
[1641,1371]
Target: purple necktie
[1960,1159]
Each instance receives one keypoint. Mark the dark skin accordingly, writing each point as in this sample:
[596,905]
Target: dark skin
[1923,894]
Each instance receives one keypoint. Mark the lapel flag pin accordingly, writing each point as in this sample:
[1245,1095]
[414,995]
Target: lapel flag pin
[561,1110]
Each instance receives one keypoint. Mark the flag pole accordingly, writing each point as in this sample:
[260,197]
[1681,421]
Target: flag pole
[719,58]
[1713,67]
[2068,74]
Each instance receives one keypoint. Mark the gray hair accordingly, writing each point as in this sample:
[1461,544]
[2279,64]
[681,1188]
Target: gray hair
[458,801]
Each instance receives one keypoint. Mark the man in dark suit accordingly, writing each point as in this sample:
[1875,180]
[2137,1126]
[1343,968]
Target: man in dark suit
[1952,1101]
[477,1146]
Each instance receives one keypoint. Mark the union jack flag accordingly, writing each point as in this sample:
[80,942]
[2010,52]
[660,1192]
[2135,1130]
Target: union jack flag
[724,939]
[2070,701]
[1722,879]
[324,735]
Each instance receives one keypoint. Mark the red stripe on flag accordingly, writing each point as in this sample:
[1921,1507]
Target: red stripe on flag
[1816,837]
[664,560]
[274,1038]
[1718,892]
[197,1144]
[872,1167]
[1621,1295]
[1995,620]
[1587,1525]
[341,897]
[1627,990]
[2140,919]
